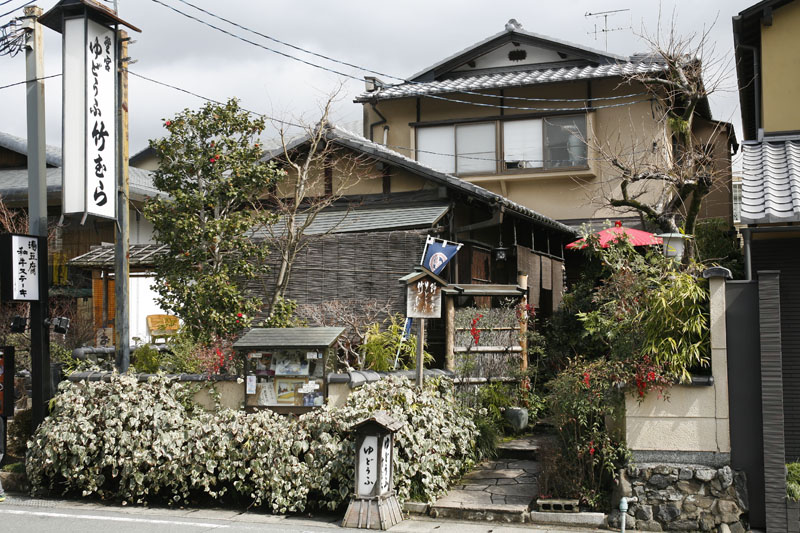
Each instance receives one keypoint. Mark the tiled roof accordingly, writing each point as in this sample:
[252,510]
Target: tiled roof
[20,145]
[771,181]
[366,219]
[141,256]
[501,80]
[289,338]
[14,184]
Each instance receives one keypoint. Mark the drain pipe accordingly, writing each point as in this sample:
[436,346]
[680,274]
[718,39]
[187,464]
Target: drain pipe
[623,511]
[377,123]
[748,265]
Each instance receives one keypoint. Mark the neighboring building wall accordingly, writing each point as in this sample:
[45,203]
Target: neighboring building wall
[718,203]
[780,67]
[782,252]
[694,421]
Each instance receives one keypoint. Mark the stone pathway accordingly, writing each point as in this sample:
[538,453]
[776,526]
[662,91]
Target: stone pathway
[503,489]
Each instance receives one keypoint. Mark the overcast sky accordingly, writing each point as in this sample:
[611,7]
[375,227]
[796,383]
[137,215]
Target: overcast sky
[398,38]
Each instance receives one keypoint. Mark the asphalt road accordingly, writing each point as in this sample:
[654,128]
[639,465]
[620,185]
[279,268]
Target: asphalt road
[27,515]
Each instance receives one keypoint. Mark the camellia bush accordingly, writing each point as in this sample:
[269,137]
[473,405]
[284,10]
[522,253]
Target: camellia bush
[143,442]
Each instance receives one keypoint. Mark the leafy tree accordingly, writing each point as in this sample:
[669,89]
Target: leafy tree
[211,169]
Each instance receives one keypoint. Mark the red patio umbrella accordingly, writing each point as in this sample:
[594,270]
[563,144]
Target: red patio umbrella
[608,235]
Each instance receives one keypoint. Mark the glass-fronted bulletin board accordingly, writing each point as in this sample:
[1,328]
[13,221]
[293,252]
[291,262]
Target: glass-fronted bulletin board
[285,368]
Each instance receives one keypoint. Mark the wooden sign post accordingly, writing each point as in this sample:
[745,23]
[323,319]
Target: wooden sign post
[423,300]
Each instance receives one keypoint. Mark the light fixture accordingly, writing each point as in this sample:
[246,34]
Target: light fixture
[673,244]
[19,324]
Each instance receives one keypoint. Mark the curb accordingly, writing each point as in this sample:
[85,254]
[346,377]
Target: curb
[416,508]
[503,513]
[594,520]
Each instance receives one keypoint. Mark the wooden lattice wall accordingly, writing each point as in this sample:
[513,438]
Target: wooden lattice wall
[350,266]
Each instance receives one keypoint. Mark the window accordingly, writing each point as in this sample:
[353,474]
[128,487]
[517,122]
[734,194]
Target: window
[460,149]
[737,201]
[538,143]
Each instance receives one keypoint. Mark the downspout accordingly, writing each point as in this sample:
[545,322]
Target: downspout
[757,87]
[377,123]
[385,134]
[748,266]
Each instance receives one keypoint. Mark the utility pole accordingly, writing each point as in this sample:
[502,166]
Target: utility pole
[121,233]
[37,209]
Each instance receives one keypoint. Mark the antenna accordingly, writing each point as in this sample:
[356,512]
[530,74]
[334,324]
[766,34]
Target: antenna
[605,29]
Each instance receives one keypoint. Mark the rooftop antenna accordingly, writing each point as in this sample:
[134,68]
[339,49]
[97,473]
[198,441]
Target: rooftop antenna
[605,30]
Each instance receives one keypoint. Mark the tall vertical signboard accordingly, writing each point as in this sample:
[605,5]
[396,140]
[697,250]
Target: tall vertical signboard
[89,136]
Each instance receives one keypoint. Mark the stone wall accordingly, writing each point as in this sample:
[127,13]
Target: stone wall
[680,497]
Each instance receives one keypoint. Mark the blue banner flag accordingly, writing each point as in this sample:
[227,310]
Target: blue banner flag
[438,252]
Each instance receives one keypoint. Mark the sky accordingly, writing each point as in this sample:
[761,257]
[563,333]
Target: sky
[396,38]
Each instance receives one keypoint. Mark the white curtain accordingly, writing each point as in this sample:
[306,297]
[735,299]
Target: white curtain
[522,141]
[475,146]
[441,141]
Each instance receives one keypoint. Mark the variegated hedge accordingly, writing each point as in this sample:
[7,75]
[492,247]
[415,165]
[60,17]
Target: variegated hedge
[140,442]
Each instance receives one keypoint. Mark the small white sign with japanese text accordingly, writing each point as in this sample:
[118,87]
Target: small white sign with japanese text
[25,268]
[367,465]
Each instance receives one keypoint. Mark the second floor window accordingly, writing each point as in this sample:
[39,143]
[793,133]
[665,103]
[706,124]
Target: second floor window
[504,146]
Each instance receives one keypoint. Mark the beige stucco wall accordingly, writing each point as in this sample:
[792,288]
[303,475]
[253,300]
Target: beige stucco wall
[694,418]
[231,395]
[629,130]
[780,67]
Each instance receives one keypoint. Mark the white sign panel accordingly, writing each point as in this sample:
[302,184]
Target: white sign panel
[367,465]
[386,465]
[89,121]
[24,268]
[101,75]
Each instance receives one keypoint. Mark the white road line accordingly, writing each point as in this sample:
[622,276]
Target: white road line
[114,518]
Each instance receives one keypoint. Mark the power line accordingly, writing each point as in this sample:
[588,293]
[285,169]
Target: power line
[32,79]
[16,8]
[393,147]
[12,38]
[350,76]
[371,71]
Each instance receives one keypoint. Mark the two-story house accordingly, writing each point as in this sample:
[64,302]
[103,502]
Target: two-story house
[535,119]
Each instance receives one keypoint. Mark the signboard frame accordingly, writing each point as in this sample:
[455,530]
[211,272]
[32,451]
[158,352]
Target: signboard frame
[89,125]
[9,262]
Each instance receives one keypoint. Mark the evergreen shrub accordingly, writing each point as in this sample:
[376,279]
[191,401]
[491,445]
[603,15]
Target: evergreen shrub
[143,442]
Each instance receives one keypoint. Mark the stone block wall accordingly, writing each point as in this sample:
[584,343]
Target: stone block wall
[681,497]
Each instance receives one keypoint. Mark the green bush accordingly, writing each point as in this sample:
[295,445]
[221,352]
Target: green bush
[19,432]
[582,400]
[793,481]
[147,359]
[139,442]
[381,346]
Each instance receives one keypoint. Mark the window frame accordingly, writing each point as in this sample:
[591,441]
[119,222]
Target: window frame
[499,121]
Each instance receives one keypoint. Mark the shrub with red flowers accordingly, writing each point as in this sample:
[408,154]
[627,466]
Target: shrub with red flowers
[580,400]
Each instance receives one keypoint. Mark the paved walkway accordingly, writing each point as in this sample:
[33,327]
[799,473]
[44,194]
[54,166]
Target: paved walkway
[503,489]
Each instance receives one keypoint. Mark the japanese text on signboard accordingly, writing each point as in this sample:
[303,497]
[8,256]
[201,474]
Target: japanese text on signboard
[24,268]
[100,120]
[368,465]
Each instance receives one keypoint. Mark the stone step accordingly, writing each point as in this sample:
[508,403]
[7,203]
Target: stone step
[527,447]
[493,512]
